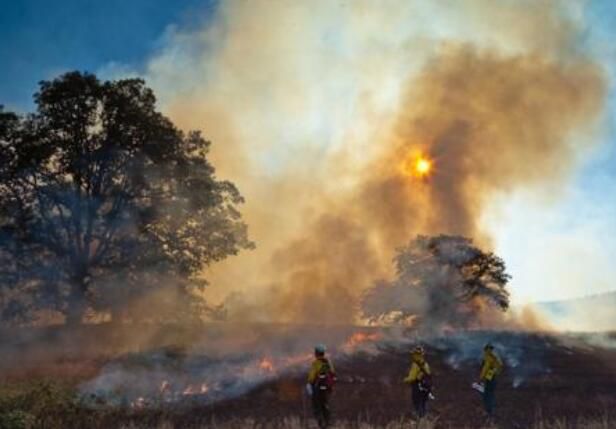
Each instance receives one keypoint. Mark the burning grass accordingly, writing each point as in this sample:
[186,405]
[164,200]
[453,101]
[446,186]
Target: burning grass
[550,383]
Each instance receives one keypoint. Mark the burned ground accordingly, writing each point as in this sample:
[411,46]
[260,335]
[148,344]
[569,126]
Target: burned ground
[549,376]
[560,381]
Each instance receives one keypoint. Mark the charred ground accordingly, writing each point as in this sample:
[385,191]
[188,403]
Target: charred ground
[559,381]
[547,376]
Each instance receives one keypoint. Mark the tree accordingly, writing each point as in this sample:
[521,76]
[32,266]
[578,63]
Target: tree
[441,281]
[103,199]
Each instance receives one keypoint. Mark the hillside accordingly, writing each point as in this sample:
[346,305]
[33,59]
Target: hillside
[259,377]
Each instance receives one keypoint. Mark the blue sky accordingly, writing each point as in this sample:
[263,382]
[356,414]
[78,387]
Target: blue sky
[41,38]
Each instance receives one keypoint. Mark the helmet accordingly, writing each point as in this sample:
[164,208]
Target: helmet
[418,350]
[320,349]
[488,346]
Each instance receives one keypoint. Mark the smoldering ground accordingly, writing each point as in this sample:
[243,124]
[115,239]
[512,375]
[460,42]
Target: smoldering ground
[206,372]
[198,384]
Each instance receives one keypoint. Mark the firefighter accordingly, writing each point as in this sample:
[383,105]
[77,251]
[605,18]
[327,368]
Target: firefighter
[491,367]
[420,379]
[321,379]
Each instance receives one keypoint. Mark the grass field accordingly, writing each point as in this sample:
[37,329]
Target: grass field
[550,383]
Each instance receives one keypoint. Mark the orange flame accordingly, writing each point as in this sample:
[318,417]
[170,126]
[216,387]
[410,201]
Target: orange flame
[192,389]
[360,338]
[298,359]
[266,365]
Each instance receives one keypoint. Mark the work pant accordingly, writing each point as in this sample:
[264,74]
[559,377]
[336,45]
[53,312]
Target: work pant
[320,407]
[420,400]
[489,399]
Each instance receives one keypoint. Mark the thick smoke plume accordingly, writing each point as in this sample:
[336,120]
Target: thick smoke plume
[316,111]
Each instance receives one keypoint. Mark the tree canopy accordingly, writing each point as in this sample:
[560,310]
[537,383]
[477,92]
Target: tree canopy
[103,200]
[441,281]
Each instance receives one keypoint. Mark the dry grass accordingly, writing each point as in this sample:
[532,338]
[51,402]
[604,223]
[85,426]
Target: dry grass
[297,423]
[294,423]
[602,423]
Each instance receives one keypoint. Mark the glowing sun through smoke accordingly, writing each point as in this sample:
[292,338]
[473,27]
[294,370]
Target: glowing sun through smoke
[419,165]
[423,166]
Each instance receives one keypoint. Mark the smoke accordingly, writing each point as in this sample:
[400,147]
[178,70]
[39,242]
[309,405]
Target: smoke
[223,362]
[315,110]
[524,356]
[492,124]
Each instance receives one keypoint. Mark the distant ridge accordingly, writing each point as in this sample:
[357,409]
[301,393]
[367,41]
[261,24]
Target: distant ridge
[603,297]
[587,313]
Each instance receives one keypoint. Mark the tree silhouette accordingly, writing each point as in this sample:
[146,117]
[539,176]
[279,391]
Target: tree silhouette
[442,281]
[103,199]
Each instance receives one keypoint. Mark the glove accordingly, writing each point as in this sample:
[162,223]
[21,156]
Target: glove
[309,389]
[479,387]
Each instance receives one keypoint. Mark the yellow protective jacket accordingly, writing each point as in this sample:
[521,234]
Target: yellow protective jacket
[315,368]
[491,366]
[419,369]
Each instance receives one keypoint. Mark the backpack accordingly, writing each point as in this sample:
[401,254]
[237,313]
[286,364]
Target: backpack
[325,378]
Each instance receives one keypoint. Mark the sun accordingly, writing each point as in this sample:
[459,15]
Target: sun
[423,166]
[420,166]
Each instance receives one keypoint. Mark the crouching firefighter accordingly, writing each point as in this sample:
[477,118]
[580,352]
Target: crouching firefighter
[491,367]
[321,380]
[420,379]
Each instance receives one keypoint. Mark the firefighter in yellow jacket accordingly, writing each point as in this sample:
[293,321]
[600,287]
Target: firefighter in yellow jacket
[420,379]
[321,379]
[491,367]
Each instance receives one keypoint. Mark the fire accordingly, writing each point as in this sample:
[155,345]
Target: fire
[301,359]
[193,390]
[360,338]
[266,365]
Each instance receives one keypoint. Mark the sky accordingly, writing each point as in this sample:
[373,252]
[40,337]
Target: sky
[555,249]
[578,234]
[40,39]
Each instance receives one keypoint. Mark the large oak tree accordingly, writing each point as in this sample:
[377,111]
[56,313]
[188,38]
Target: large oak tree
[103,199]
